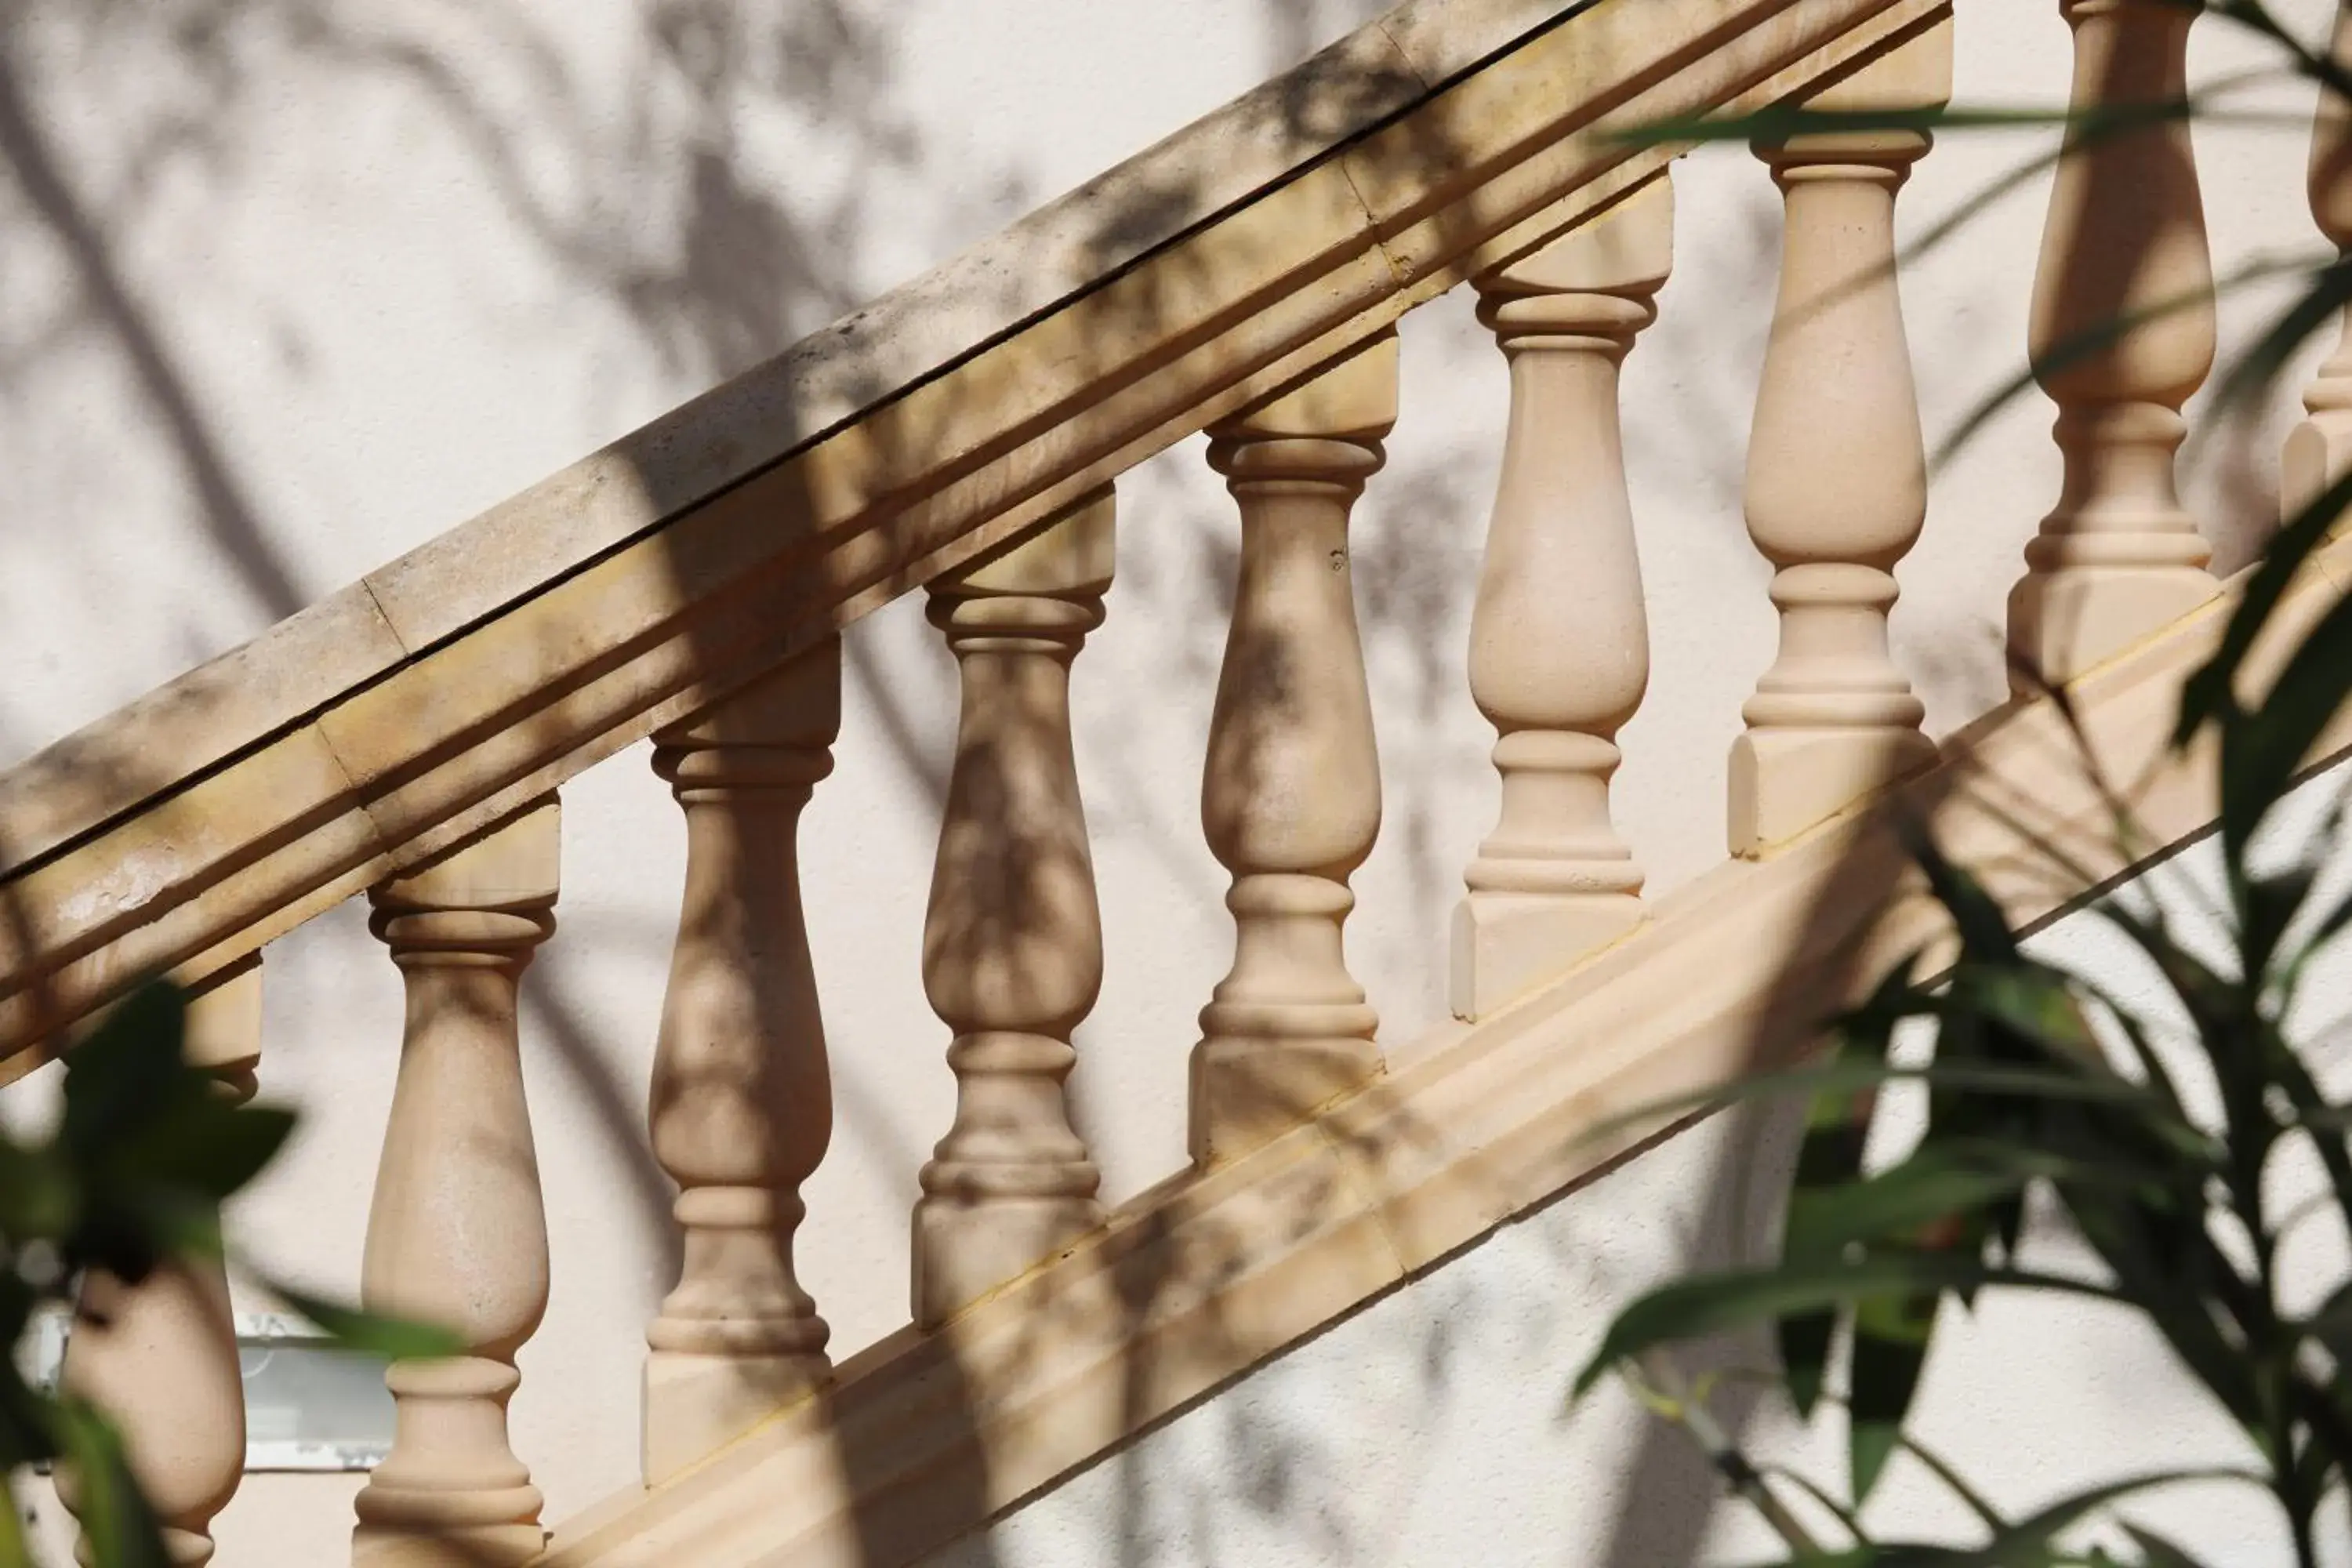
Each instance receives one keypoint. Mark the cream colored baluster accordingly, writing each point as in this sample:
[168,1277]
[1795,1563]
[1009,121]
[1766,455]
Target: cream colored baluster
[742,1104]
[2318,451]
[1291,795]
[1837,484]
[458,1234]
[1559,646]
[2123,297]
[159,1357]
[1012,946]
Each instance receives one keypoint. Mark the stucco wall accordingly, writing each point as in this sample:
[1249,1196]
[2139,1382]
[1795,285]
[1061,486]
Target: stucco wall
[1435,1427]
[289,286]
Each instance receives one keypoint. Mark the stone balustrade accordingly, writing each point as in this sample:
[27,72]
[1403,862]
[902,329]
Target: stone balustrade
[1290,795]
[1013,943]
[458,1235]
[2122,336]
[1837,470]
[1560,639]
[740,1111]
[742,1104]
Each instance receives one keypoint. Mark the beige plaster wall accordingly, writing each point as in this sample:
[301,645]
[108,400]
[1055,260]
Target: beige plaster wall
[1435,1427]
[289,286]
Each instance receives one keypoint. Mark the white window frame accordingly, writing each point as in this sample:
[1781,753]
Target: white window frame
[44,1358]
[269,1331]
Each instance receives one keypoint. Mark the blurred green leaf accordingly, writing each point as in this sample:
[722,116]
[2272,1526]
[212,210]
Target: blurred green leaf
[2269,905]
[120,1529]
[371,1333]
[1804,1339]
[2156,1551]
[1929,1188]
[2030,1543]
[1822,1497]
[27,1432]
[12,1538]
[1837,1126]
[1956,1483]
[2033,1540]
[1891,1336]
[1856,1076]
[2263,750]
[2312,1113]
[1977,919]
[2035,1002]
[1948,1176]
[145,1150]
[2332,1325]
[2209,695]
[39,1199]
[126,1075]
[1711,1303]
[208,1147]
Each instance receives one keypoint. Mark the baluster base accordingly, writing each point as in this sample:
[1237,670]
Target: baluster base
[696,1405]
[1506,944]
[1784,781]
[473,1546]
[451,1491]
[1250,1089]
[967,1247]
[2064,620]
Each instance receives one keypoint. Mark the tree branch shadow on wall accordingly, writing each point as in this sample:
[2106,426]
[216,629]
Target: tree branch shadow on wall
[108,304]
[747,277]
[900,1495]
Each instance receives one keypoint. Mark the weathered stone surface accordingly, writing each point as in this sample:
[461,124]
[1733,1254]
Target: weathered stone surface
[1197,1281]
[635,587]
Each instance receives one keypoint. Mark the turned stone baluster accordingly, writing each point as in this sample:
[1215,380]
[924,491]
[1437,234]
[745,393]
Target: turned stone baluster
[1559,646]
[159,1357]
[1837,485]
[1291,794]
[741,1100]
[2123,301]
[458,1233]
[2318,451]
[1013,945]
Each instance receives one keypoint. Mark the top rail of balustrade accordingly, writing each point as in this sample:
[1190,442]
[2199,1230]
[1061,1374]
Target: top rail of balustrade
[393,718]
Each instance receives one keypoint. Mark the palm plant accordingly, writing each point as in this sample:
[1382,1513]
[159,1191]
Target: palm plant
[2046,1092]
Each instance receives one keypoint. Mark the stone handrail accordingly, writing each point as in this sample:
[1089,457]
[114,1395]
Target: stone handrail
[435,697]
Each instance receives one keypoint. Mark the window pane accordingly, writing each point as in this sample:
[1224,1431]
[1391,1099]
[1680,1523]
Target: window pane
[309,1406]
